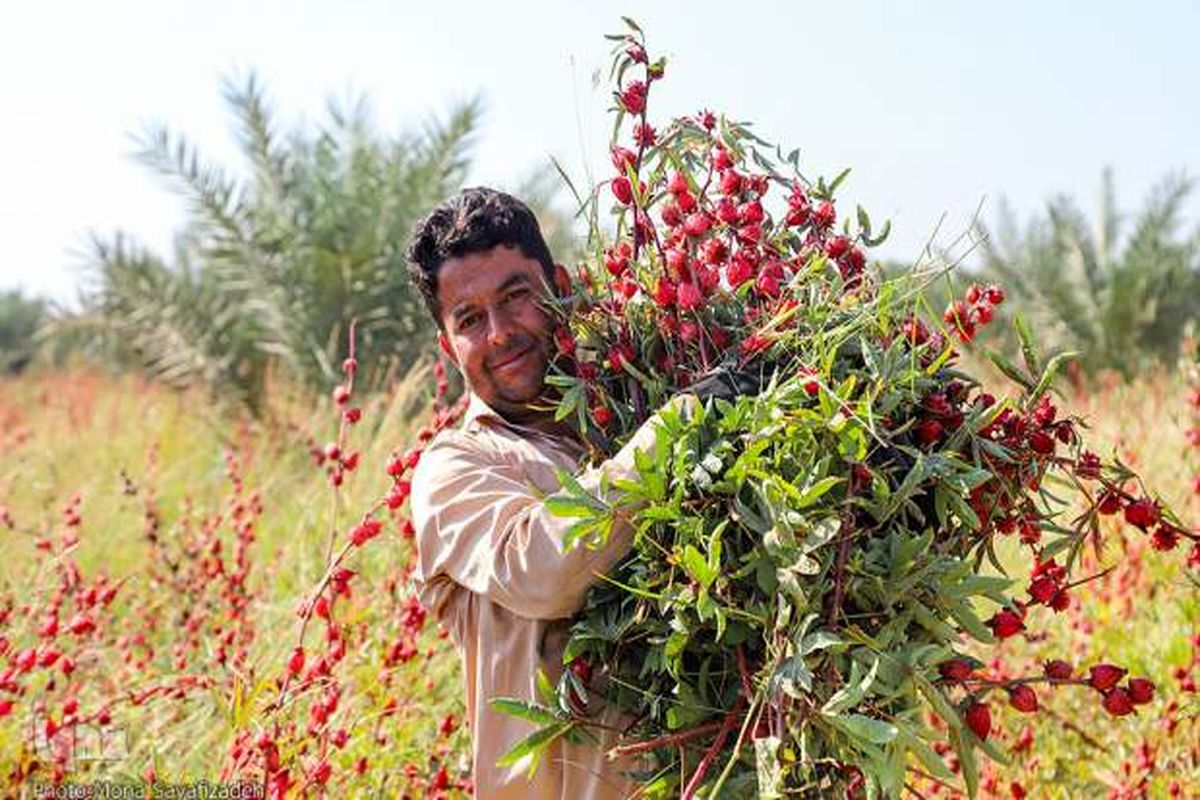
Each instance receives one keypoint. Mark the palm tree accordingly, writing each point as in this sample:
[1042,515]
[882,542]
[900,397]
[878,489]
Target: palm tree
[272,269]
[20,318]
[1121,301]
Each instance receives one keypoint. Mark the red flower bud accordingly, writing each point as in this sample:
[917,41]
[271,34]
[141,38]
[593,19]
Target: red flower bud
[81,624]
[731,182]
[750,213]
[1118,703]
[1042,590]
[688,296]
[1142,513]
[696,224]
[1103,677]
[1110,503]
[633,98]
[1041,443]
[582,669]
[979,720]
[296,661]
[1006,623]
[1141,691]
[956,669]
[929,431]
[1023,699]
[623,159]
[837,247]
[622,190]
[1164,538]
[825,215]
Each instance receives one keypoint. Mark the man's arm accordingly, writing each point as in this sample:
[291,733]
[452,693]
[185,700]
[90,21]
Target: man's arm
[479,525]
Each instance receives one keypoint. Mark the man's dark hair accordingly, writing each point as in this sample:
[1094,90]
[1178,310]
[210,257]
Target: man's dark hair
[473,221]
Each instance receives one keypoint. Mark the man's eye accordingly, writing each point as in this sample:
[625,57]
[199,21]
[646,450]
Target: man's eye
[517,294]
[467,321]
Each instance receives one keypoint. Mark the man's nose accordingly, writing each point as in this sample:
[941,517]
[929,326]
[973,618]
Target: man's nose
[500,327]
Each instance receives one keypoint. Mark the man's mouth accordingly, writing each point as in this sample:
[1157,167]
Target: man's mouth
[514,360]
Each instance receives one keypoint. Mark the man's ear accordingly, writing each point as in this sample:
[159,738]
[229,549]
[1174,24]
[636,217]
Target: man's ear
[447,350]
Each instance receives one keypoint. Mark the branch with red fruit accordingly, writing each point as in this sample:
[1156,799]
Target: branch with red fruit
[838,535]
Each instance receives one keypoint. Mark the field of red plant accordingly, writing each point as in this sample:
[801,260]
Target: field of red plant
[191,595]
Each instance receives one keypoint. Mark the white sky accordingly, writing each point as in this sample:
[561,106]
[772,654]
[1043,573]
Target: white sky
[936,104]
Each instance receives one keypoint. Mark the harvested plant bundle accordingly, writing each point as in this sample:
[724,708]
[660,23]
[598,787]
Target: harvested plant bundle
[810,562]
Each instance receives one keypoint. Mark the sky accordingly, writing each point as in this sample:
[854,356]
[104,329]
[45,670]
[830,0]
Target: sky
[939,107]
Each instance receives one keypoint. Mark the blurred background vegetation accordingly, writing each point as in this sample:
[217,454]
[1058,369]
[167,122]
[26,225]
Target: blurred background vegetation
[270,268]
[1120,288]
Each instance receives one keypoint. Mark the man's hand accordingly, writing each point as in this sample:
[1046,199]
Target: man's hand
[728,380]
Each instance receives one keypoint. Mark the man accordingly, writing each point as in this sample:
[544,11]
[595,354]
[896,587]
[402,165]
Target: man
[491,561]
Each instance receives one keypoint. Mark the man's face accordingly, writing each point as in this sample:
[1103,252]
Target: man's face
[495,327]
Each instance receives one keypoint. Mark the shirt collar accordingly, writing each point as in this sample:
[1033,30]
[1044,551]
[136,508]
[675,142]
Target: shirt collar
[479,414]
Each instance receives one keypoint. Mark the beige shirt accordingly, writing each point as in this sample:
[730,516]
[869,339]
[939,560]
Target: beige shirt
[493,569]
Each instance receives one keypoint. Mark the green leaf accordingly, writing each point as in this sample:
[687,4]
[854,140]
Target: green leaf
[1011,370]
[813,493]
[864,222]
[1049,374]
[697,566]
[570,400]
[821,640]
[793,677]
[838,181]
[928,757]
[523,709]
[533,747]
[965,616]
[561,506]
[883,234]
[1028,346]
[545,689]
[853,692]
[865,728]
[963,742]
[941,704]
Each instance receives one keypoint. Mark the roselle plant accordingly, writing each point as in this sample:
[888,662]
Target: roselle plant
[815,566]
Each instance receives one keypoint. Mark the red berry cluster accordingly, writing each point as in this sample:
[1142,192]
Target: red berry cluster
[975,310]
[1105,678]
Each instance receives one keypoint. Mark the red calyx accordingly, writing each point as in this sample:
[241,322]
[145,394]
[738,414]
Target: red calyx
[1103,677]
[956,669]
[1141,691]
[1006,623]
[1023,699]
[1142,513]
[1118,703]
[979,719]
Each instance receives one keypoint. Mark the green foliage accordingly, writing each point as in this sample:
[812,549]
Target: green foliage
[271,268]
[810,560]
[20,318]
[1119,292]
[276,265]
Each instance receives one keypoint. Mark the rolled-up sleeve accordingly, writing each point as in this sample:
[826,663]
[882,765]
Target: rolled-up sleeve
[481,525]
